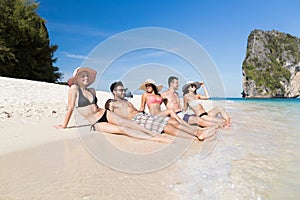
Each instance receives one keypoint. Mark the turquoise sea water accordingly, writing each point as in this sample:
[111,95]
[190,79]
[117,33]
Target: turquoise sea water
[274,100]
[258,158]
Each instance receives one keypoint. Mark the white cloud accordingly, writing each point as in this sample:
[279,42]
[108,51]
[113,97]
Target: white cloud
[157,53]
[78,29]
[154,54]
[69,55]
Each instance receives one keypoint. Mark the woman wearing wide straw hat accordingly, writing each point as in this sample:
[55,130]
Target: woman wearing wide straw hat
[152,98]
[85,101]
[193,100]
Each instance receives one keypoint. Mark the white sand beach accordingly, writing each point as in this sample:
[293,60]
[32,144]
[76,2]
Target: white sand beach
[28,110]
[40,162]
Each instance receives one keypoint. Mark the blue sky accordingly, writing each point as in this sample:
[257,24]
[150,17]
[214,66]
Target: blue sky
[220,27]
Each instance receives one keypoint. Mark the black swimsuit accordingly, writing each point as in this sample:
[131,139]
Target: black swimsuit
[83,101]
[102,119]
[205,113]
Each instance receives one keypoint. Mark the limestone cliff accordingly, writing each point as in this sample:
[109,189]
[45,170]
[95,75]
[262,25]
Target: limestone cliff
[272,65]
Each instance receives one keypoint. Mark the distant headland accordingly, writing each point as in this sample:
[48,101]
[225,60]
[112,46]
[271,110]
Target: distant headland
[271,68]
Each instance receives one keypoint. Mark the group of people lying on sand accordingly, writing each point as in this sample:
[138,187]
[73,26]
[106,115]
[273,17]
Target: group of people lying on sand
[121,117]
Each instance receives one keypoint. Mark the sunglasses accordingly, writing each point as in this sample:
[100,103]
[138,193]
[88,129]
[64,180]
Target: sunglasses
[148,85]
[120,90]
[193,85]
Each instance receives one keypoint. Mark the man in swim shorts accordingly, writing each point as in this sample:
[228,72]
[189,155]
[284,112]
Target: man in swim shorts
[120,106]
[172,101]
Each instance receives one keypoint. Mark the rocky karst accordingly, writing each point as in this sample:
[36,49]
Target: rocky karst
[272,65]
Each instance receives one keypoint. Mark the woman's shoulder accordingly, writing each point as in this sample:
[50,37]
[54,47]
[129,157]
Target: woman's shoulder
[145,95]
[74,88]
[187,96]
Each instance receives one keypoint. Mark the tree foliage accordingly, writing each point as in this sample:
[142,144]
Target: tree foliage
[25,50]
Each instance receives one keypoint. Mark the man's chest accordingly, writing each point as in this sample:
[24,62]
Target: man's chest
[120,104]
[173,98]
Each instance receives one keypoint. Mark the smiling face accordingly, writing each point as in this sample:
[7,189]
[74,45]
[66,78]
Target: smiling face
[83,79]
[119,92]
[149,87]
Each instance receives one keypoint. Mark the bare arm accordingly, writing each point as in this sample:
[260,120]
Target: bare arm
[143,103]
[108,105]
[185,103]
[164,98]
[72,94]
[206,96]
[94,92]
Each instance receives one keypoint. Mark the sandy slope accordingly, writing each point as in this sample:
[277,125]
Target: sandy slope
[40,162]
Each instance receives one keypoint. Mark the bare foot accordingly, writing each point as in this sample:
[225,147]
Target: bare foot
[228,120]
[227,123]
[59,127]
[207,133]
[227,126]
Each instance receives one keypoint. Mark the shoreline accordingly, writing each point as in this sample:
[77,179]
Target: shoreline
[39,161]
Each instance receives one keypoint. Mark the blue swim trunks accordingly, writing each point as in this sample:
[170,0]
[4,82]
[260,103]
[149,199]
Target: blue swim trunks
[184,116]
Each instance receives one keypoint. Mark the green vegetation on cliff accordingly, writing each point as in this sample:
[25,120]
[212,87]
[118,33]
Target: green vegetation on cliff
[267,75]
[267,54]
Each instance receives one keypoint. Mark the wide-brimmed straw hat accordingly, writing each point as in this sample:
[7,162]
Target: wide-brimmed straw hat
[187,85]
[150,81]
[92,75]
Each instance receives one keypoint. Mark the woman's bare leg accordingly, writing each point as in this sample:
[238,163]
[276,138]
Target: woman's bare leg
[213,119]
[200,134]
[170,113]
[171,130]
[200,122]
[219,110]
[186,128]
[114,129]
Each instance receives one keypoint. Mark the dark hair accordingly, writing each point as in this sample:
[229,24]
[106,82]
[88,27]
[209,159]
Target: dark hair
[154,89]
[185,92]
[107,104]
[115,84]
[171,78]
[187,89]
